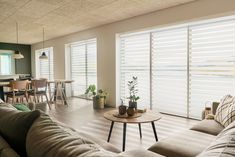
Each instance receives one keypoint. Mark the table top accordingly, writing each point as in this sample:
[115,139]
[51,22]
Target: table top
[62,81]
[49,82]
[148,116]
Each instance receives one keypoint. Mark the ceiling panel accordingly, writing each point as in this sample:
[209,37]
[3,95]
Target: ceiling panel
[61,17]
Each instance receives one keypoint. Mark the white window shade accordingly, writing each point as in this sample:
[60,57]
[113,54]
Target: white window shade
[45,67]
[135,61]
[212,60]
[83,65]
[182,68]
[78,68]
[91,63]
[169,71]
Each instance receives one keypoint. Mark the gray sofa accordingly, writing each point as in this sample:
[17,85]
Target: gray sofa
[47,138]
[35,134]
[208,138]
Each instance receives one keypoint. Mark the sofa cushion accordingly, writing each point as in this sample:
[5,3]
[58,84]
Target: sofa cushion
[46,139]
[14,126]
[107,146]
[224,145]
[6,150]
[188,143]
[140,153]
[208,126]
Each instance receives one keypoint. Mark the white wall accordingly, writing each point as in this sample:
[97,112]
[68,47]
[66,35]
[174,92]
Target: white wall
[106,34]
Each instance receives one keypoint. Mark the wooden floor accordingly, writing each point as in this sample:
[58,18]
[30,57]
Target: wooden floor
[81,116]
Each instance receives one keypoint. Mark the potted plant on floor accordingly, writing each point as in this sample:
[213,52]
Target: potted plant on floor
[132,86]
[99,97]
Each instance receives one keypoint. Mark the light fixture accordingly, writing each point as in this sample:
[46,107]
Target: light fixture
[43,55]
[17,54]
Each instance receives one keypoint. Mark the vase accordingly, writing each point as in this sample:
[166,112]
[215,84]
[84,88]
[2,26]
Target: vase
[131,111]
[133,104]
[98,103]
[122,109]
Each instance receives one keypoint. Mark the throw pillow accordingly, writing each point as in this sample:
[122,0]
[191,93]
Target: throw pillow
[21,107]
[225,113]
[14,127]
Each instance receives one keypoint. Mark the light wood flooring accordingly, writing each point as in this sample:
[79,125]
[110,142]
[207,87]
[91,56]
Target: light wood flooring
[81,116]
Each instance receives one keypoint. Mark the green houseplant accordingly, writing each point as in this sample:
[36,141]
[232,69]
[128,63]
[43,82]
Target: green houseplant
[132,86]
[99,97]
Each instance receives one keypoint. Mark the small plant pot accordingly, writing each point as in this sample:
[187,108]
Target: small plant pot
[122,109]
[133,104]
[131,111]
[98,103]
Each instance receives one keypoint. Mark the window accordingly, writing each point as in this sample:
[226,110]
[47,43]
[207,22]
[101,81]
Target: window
[45,67]
[83,65]
[212,60]
[135,61]
[7,63]
[169,71]
[180,68]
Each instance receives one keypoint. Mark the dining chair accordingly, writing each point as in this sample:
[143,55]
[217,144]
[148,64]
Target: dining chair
[4,88]
[18,91]
[39,89]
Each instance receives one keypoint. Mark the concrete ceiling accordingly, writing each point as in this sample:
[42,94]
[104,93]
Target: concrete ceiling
[61,17]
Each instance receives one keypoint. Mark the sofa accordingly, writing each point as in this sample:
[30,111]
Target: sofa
[35,134]
[207,138]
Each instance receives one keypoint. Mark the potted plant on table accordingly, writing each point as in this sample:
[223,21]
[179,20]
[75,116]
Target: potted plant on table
[132,86]
[99,97]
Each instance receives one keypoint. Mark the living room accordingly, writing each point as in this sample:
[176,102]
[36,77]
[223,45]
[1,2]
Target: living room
[117,78]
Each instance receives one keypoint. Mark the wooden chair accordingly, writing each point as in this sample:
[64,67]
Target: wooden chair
[39,89]
[18,91]
[4,88]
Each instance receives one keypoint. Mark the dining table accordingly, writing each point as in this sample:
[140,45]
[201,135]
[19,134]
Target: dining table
[59,89]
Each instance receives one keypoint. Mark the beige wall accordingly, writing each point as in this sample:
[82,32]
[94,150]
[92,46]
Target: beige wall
[200,9]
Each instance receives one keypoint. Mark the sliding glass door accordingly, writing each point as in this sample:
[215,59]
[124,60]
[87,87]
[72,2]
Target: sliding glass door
[135,61]
[83,65]
[211,63]
[169,71]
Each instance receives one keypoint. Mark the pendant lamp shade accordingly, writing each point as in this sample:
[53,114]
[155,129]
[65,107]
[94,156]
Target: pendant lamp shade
[17,54]
[43,55]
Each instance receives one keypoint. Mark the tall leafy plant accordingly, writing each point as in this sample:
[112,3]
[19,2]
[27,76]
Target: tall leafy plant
[132,86]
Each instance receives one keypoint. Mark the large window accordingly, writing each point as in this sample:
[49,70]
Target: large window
[180,68]
[83,65]
[135,61]
[7,63]
[45,67]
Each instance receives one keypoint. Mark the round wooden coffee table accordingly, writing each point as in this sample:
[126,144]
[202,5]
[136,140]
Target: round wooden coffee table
[147,117]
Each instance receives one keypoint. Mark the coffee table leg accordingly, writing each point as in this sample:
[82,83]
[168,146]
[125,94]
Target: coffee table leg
[140,130]
[110,131]
[154,130]
[124,137]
